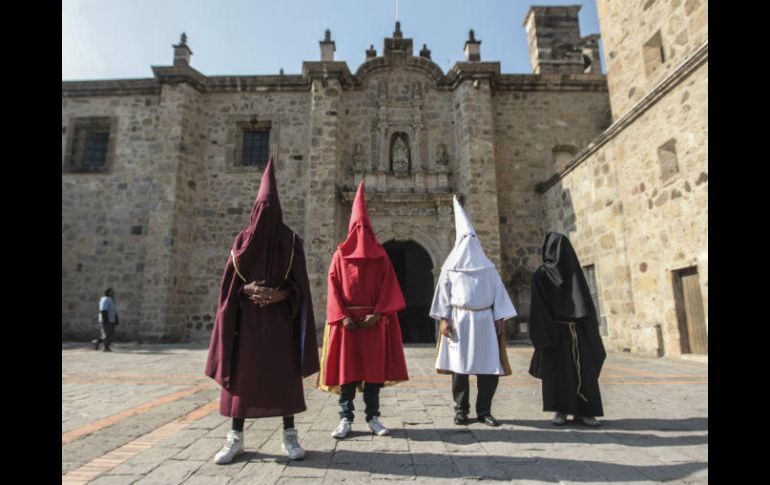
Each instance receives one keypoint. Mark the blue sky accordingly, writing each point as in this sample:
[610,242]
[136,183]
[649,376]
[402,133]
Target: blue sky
[115,39]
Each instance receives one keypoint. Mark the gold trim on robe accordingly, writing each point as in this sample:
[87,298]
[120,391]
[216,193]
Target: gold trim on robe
[320,382]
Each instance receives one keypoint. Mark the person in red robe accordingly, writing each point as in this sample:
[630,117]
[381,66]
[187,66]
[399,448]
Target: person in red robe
[264,340]
[362,345]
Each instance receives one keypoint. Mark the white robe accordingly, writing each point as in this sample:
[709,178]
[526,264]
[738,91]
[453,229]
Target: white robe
[473,348]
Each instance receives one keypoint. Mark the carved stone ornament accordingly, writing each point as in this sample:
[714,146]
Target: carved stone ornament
[399,154]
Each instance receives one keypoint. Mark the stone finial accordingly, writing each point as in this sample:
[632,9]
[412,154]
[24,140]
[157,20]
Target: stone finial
[182,51]
[397,34]
[425,52]
[591,61]
[327,46]
[472,48]
[371,52]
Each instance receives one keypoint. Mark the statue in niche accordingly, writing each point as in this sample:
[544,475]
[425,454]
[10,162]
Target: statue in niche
[400,157]
[382,90]
[416,90]
[358,158]
[443,157]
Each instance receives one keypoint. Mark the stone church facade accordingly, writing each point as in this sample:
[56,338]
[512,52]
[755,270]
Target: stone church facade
[159,174]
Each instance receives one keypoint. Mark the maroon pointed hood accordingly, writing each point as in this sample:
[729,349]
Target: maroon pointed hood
[258,248]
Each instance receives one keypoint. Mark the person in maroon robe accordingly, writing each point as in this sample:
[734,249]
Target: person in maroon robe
[264,341]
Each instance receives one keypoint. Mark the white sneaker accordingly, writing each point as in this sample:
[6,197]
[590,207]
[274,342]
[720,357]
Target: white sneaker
[343,429]
[291,445]
[233,447]
[377,427]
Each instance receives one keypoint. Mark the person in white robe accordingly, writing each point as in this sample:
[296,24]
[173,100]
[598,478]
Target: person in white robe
[471,303]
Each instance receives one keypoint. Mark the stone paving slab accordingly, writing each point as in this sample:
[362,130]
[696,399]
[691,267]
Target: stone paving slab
[655,428]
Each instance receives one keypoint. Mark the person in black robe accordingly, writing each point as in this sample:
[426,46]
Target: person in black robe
[564,330]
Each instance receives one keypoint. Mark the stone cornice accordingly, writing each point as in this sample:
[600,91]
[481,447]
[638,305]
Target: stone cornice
[329,69]
[464,71]
[347,194]
[224,84]
[551,82]
[460,72]
[180,74]
[111,87]
[677,76]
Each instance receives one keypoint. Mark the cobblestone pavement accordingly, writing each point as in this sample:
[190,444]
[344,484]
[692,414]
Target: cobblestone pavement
[146,414]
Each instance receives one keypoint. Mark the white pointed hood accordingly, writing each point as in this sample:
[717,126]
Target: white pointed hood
[467,255]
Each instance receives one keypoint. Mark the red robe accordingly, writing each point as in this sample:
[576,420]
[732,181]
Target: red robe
[362,282]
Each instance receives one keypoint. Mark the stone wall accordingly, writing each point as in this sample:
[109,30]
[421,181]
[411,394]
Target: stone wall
[628,25]
[528,126]
[222,196]
[636,224]
[106,216]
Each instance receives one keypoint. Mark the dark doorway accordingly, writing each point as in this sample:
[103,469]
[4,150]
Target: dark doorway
[689,311]
[415,276]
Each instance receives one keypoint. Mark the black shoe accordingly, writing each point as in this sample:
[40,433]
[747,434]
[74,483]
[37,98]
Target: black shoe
[587,421]
[489,420]
[96,343]
[461,418]
[107,349]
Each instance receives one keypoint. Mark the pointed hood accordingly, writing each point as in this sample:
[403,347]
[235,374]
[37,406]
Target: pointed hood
[256,248]
[361,241]
[268,192]
[467,254]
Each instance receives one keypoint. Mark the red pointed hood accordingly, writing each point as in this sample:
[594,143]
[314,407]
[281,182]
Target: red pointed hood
[361,241]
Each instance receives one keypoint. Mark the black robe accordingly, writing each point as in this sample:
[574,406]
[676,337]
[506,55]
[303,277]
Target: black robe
[560,296]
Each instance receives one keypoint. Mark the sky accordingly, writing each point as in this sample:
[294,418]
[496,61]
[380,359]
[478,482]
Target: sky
[119,39]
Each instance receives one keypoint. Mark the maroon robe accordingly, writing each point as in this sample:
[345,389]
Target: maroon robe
[259,355]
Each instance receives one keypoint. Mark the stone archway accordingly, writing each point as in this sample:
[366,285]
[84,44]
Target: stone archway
[414,269]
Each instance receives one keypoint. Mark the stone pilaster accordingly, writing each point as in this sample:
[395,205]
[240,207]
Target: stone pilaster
[474,131]
[321,213]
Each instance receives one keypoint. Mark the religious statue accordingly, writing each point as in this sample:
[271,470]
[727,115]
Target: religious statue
[399,154]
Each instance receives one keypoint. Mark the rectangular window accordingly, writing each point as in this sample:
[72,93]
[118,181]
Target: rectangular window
[590,273]
[89,145]
[653,54]
[667,159]
[250,143]
[95,153]
[256,148]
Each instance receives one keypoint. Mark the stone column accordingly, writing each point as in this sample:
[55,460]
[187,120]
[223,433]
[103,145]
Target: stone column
[168,230]
[322,213]
[474,129]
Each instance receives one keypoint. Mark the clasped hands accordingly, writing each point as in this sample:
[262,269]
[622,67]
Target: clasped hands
[263,295]
[368,321]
